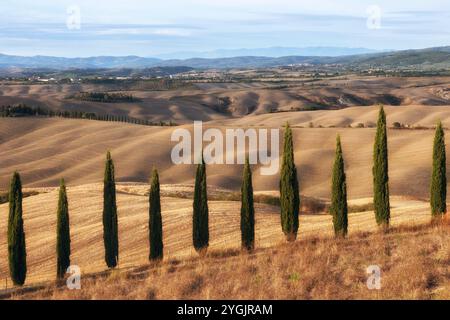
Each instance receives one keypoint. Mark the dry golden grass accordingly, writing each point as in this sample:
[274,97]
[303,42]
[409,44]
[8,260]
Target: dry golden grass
[85,205]
[414,262]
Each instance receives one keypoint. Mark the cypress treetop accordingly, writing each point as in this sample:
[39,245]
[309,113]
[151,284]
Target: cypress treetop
[380,174]
[200,219]
[110,224]
[247,209]
[62,233]
[438,192]
[16,235]
[155,219]
[338,207]
[289,189]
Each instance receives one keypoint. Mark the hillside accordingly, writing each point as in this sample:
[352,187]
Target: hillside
[44,150]
[431,58]
[85,205]
[216,101]
[413,257]
[413,260]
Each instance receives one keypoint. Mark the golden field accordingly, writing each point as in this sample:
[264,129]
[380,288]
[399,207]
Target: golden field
[414,256]
[85,205]
[45,150]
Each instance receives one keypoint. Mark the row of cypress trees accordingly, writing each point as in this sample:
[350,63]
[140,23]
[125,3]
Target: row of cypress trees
[339,207]
[438,187]
[200,217]
[289,203]
[16,234]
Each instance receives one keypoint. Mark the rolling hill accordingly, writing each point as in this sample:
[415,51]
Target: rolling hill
[413,256]
[44,150]
[218,101]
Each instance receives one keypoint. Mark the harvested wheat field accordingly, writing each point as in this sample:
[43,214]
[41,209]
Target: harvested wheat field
[44,150]
[85,205]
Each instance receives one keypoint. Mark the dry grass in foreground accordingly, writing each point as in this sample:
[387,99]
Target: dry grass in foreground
[414,263]
[85,207]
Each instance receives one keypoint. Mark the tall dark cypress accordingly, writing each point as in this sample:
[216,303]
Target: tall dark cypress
[16,236]
[110,226]
[338,207]
[289,190]
[247,209]
[155,220]
[62,233]
[200,223]
[438,194]
[380,174]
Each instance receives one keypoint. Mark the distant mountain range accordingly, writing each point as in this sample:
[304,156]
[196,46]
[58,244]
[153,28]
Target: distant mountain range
[430,58]
[272,52]
[79,63]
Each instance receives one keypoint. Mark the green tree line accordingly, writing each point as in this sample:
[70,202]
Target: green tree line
[23,110]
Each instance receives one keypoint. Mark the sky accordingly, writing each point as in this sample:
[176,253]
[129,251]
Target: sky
[148,28]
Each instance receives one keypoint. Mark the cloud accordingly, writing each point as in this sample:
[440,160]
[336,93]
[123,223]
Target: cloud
[145,31]
[204,25]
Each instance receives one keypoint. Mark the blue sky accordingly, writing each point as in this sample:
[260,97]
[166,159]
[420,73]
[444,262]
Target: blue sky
[153,27]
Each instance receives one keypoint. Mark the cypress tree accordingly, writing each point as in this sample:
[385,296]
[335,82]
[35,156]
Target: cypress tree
[380,174]
[338,207]
[155,220]
[16,236]
[110,227]
[438,194]
[289,190]
[200,223]
[62,233]
[247,209]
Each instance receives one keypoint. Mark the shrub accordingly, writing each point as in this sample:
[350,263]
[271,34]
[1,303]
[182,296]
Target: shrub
[397,125]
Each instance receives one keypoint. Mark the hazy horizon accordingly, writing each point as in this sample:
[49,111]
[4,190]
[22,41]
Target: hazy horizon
[221,52]
[84,29]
